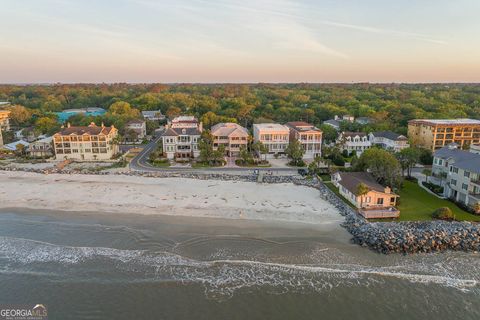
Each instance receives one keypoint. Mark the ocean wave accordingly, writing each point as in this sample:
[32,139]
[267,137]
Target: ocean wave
[220,278]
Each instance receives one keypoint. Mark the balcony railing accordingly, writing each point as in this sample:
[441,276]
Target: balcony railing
[376,212]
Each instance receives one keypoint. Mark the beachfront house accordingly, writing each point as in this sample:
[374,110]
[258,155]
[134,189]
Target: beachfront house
[354,142]
[458,171]
[309,136]
[42,148]
[273,135]
[233,136]
[371,198]
[88,143]
[389,140]
[181,137]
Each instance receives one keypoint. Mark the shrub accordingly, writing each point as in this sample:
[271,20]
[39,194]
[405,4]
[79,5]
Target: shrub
[443,213]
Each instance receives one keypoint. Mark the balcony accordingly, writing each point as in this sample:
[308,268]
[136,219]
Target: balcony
[378,212]
[474,195]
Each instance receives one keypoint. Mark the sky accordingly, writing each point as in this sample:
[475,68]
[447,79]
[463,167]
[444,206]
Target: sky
[209,41]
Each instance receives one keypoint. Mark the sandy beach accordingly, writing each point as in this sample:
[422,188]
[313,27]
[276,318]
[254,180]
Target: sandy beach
[165,196]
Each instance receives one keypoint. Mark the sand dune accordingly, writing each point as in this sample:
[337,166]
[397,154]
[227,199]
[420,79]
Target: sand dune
[168,196]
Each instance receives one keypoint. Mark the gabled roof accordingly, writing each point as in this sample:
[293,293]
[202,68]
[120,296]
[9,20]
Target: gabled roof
[351,180]
[13,145]
[332,122]
[354,134]
[173,132]
[464,160]
[227,129]
[389,135]
[92,129]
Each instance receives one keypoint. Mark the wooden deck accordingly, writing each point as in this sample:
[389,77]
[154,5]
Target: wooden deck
[378,213]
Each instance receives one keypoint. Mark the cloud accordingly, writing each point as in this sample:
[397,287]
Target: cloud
[368,29]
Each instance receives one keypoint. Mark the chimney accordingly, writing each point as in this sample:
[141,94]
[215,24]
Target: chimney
[103,126]
[200,126]
[68,124]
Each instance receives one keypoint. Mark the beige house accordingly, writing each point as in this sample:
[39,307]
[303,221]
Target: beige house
[434,134]
[273,135]
[309,137]
[231,135]
[89,143]
[377,202]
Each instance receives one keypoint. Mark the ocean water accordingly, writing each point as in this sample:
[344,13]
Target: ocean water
[93,266]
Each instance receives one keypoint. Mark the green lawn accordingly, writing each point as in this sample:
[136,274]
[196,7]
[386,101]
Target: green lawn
[418,204]
[200,165]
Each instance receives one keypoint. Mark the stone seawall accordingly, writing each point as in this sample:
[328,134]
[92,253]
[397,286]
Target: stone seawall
[382,237]
[406,237]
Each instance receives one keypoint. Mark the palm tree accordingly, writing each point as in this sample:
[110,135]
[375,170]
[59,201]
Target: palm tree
[362,189]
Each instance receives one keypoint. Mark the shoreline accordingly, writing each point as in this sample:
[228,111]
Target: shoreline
[118,194]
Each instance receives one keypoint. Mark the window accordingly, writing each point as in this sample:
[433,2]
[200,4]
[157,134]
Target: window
[453,182]
[380,201]
[467,174]
[464,186]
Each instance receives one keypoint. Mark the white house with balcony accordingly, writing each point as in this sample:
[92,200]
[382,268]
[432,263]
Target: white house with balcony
[181,137]
[356,142]
[389,140]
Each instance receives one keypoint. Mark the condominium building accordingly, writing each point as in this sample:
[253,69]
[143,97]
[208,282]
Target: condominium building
[88,143]
[356,142]
[181,137]
[376,201]
[436,134]
[231,135]
[273,135]
[389,140]
[458,171]
[309,137]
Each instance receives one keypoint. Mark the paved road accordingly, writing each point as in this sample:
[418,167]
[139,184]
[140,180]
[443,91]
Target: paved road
[140,163]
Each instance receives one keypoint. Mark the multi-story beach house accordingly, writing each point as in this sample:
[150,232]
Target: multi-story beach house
[181,137]
[139,127]
[458,171]
[309,137]
[389,140]
[434,134]
[356,142]
[231,135]
[42,148]
[374,201]
[273,135]
[88,143]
